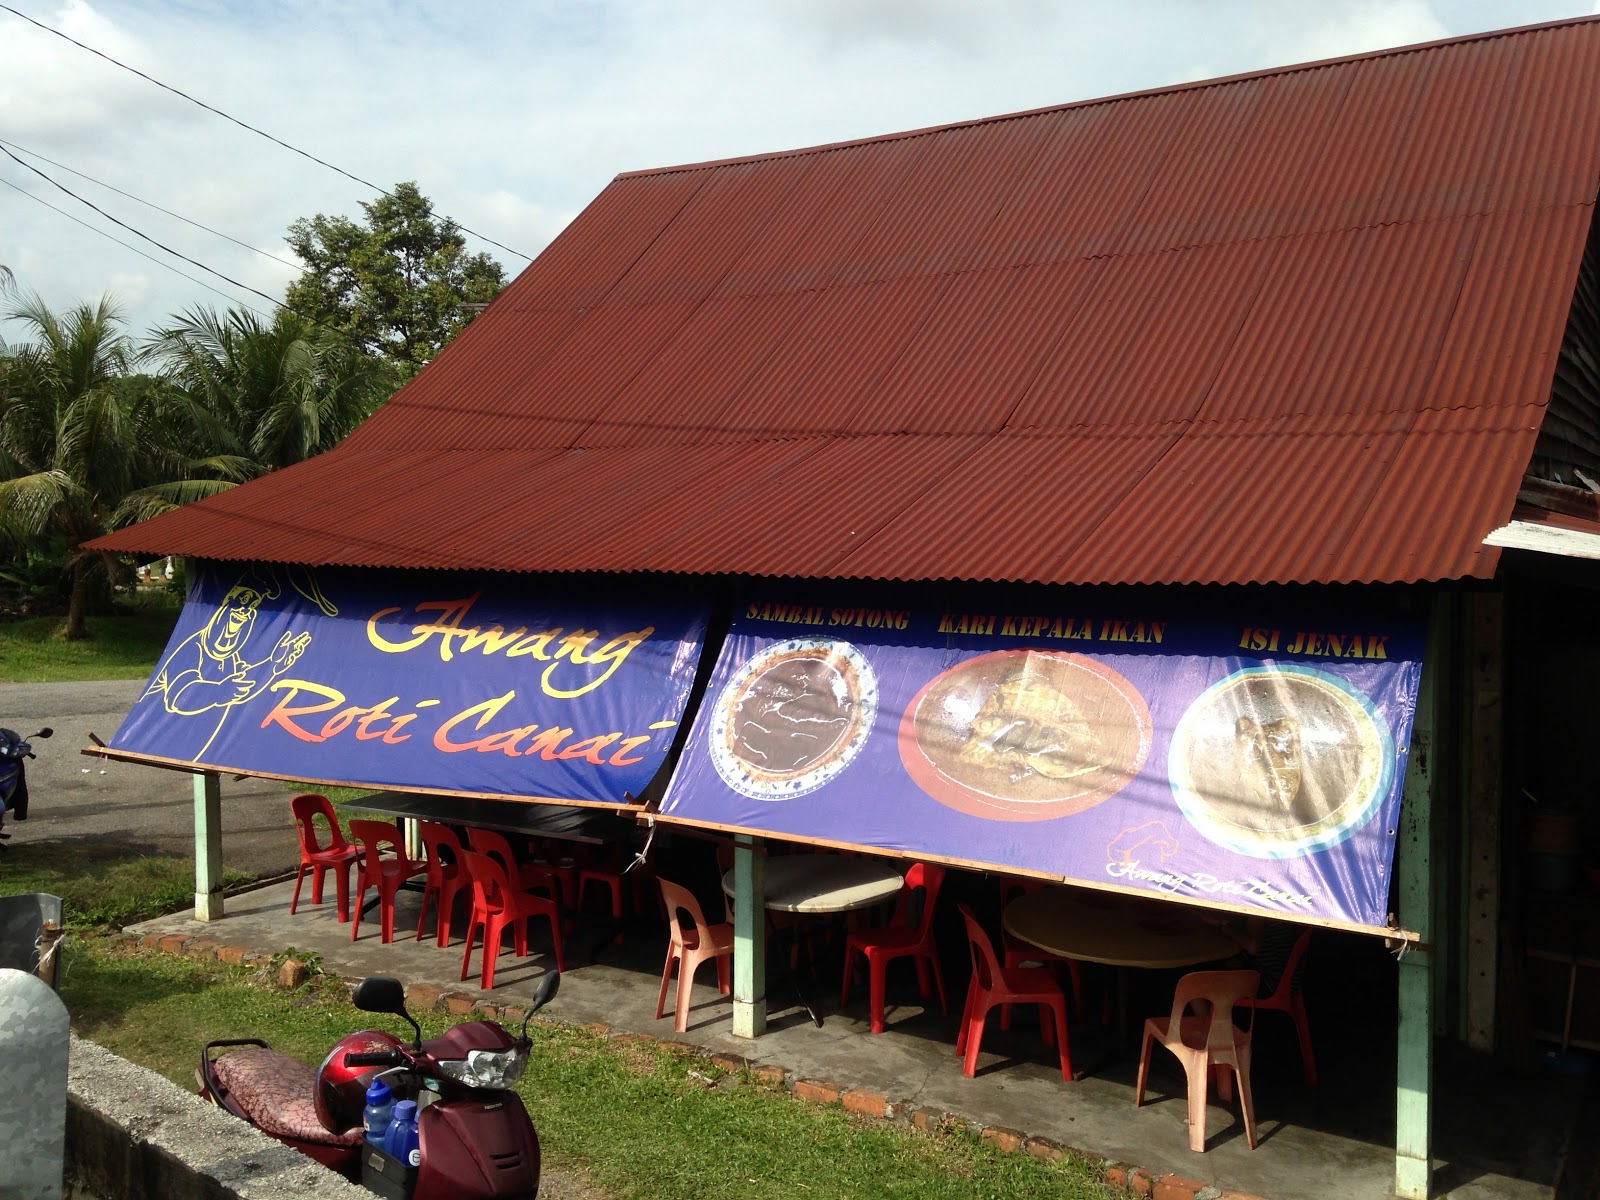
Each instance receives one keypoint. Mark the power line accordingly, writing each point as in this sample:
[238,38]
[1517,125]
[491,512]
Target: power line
[93,229]
[246,125]
[150,204]
[138,233]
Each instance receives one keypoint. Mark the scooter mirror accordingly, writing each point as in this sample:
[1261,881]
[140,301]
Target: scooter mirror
[380,994]
[542,995]
[45,732]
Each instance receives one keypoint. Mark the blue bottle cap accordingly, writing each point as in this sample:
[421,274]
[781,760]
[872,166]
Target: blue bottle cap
[406,1110]
[378,1092]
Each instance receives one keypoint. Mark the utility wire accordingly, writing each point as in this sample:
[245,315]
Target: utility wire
[137,233]
[135,249]
[149,204]
[245,125]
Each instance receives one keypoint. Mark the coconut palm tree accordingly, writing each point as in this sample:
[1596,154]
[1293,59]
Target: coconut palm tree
[247,396]
[79,435]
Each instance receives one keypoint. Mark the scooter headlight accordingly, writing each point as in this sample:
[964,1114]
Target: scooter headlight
[486,1068]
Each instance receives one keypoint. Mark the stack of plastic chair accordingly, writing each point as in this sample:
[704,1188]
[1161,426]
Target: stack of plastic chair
[497,903]
[1288,998]
[994,984]
[337,855]
[1206,1041]
[446,877]
[385,874]
[899,939]
[690,946]
[525,876]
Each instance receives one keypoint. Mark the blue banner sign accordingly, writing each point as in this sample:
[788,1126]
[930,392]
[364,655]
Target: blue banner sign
[499,685]
[1249,757]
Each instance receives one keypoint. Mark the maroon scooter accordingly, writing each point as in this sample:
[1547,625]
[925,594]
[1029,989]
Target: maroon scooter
[476,1139]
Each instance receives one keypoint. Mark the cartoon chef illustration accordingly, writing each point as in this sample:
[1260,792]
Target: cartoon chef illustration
[213,670]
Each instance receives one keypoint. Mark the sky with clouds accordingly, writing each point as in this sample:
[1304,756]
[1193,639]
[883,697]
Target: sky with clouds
[512,116]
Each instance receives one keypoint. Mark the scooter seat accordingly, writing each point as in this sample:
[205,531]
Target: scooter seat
[277,1093]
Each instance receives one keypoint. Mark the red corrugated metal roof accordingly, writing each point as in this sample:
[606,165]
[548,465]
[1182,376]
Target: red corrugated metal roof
[1298,325]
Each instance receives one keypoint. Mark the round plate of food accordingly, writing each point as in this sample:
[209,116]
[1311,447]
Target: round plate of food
[793,717]
[1025,735]
[1281,760]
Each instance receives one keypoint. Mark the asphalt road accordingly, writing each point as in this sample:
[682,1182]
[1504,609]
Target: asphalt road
[146,809]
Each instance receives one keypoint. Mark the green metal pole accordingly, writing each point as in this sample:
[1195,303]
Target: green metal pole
[1413,1164]
[207,846]
[749,937]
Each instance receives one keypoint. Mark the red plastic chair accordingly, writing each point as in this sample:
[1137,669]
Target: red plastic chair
[385,874]
[496,904]
[446,877]
[1288,998]
[1016,953]
[1206,1042]
[337,856]
[688,948]
[599,866]
[899,939]
[993,984]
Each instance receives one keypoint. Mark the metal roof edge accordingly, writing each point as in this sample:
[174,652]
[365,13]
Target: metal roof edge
[1166,89]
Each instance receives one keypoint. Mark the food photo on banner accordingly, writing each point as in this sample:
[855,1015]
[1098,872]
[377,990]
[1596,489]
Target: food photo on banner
[498,685]
[1249,752]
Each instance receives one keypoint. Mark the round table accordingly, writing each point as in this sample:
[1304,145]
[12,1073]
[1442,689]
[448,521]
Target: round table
[1121,931]
[825,883]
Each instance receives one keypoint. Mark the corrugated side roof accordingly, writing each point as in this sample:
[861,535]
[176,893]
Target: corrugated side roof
[1299,325]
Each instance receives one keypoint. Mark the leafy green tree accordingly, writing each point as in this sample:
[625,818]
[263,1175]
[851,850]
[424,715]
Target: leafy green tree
[79,437]
[401,284]
[247,396]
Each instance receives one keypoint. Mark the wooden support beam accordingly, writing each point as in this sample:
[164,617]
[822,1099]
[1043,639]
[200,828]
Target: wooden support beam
[749,937]
[1413,1168]
[1481,848]
[207,846]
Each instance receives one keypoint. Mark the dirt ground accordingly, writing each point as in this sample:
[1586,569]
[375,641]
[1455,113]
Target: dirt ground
[146,809]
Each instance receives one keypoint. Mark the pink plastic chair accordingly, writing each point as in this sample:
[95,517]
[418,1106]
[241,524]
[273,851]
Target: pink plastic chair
[498,904]
[337,855]
[446,877]
[1206,1042]
[688,948]
[385,874]
[993,984]
[899,939]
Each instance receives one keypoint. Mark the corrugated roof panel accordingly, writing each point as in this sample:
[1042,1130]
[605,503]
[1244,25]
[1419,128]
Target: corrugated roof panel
[1016,508]
[1510,312]
[806,520]
[1155,360]
[1366,308]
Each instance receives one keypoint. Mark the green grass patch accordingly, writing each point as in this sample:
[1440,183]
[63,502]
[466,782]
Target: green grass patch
[637,1119]
[100,885]
[119,647]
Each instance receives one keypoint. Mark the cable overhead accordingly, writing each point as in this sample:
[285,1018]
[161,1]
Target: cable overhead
[137,233]
[142,254]
[150,204]
[246,125]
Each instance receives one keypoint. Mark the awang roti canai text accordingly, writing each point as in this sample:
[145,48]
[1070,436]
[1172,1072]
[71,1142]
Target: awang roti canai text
[793,717]
[1024,735]
[1279,761]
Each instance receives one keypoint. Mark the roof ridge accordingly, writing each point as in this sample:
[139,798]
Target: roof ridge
[1167,89]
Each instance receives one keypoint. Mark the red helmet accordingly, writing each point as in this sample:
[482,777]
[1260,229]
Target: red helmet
[342,1090]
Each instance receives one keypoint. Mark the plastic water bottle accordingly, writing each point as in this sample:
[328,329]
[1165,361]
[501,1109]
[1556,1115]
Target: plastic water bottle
[401,1141]
[379,1111]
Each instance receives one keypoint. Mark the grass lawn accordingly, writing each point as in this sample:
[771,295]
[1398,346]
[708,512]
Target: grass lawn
[633,1118]
[119,647]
